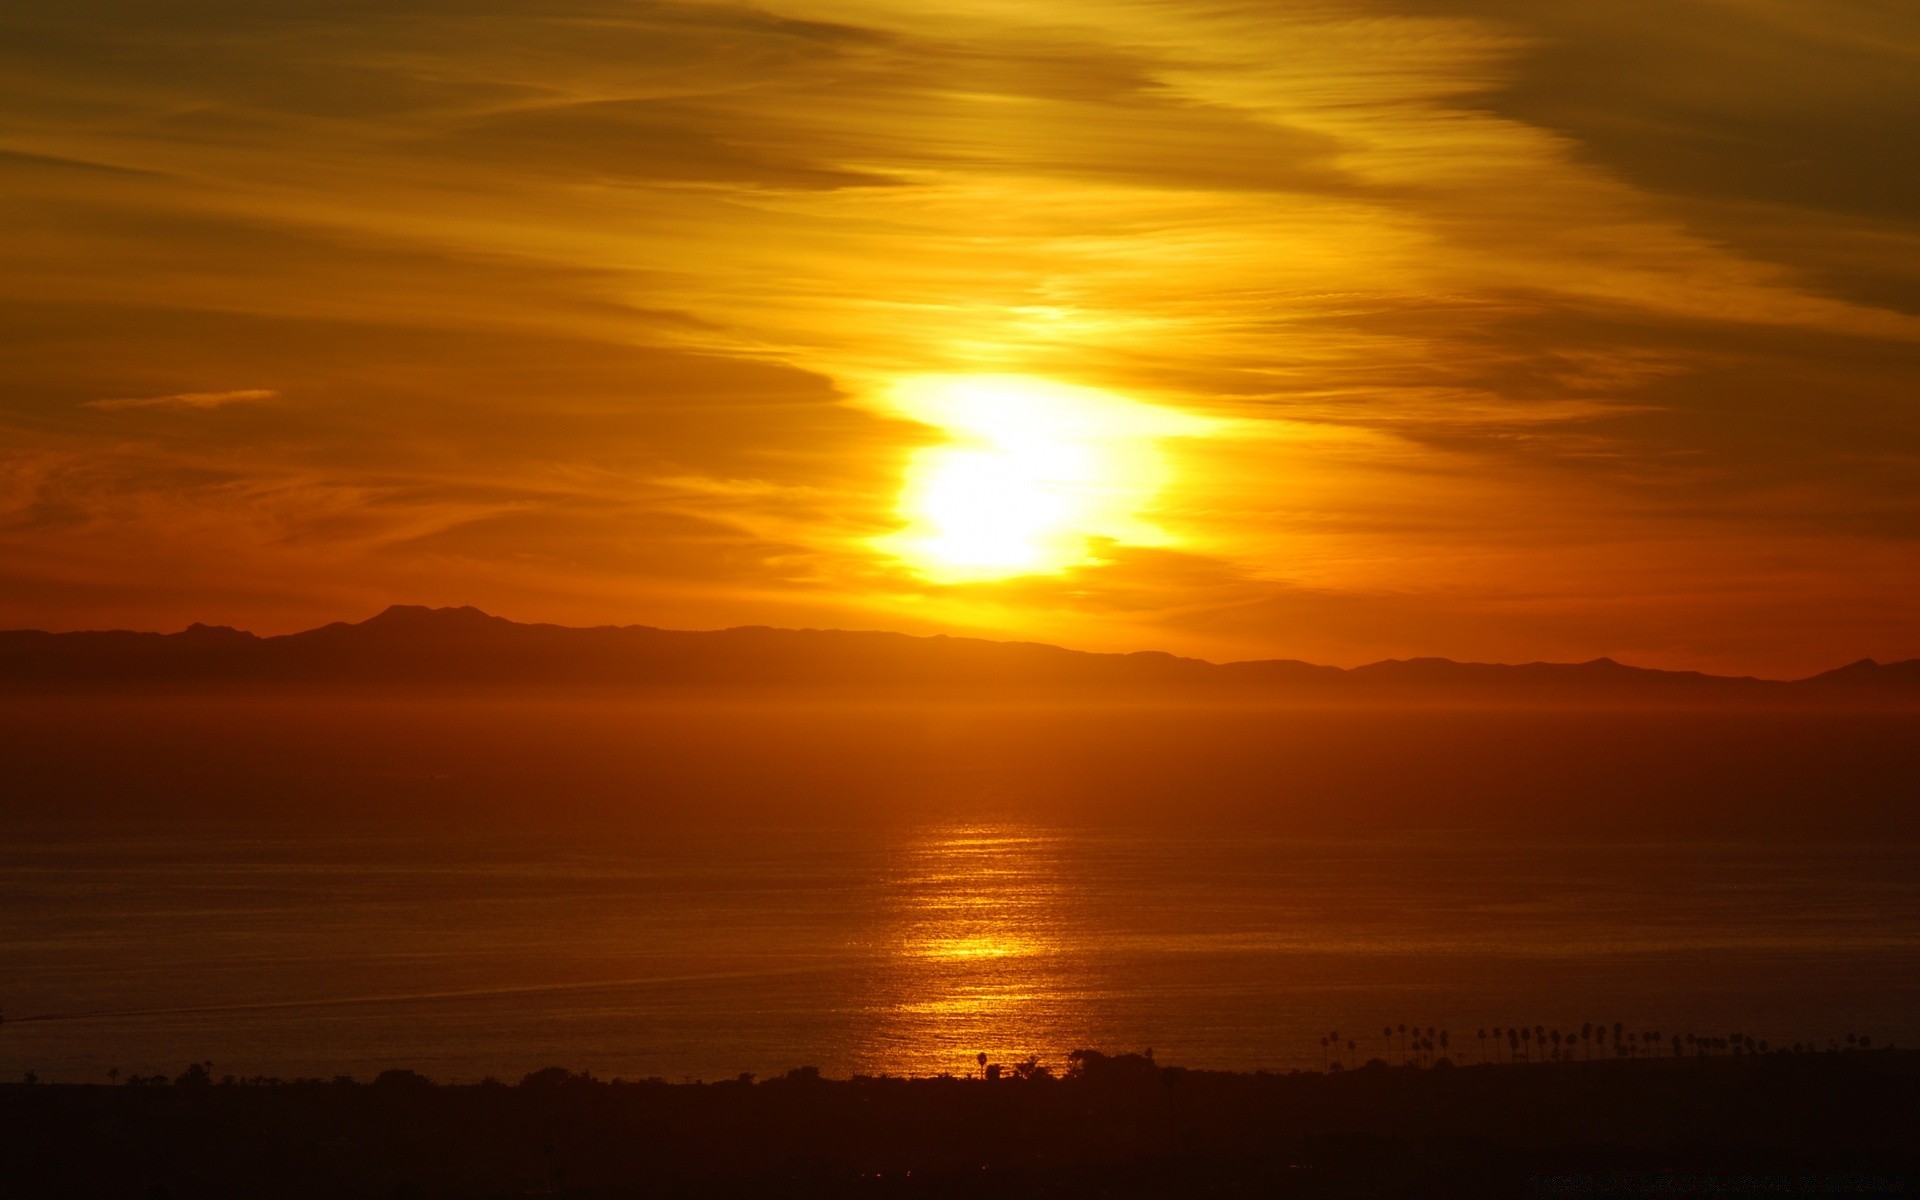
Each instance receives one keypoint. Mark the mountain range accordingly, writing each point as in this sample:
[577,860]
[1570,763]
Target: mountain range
[409,645]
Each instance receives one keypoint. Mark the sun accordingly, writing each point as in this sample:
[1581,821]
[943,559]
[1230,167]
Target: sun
[1033,476]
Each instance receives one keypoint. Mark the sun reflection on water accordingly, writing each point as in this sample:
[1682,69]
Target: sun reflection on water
[976,947]
[977,955]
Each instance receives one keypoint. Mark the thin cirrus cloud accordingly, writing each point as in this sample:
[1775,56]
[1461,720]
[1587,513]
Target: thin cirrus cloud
[189,400]
[1541,330]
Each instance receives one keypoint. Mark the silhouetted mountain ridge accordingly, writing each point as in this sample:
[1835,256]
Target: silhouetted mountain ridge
[413,645]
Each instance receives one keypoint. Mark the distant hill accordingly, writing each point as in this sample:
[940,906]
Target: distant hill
[411,646]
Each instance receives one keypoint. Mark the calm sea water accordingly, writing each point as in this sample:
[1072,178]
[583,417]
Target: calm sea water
[493,884]
[706,951]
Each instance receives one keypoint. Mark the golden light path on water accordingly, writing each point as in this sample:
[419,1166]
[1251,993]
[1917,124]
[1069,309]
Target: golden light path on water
[1033,477]
[978,960]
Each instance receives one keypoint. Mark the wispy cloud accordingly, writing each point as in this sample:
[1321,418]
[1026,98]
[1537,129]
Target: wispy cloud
[1564,323]
[188,399]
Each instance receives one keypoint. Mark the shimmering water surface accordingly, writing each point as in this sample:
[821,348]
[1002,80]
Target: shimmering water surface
[490,884]
[705,952]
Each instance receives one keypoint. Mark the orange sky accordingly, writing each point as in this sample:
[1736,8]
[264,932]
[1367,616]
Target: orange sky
[1482,328]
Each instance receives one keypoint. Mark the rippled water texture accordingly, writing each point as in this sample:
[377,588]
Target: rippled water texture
[296,890]
[706,954]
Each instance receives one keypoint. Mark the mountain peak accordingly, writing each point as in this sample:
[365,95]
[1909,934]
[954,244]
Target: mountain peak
[420,614]
[201,632]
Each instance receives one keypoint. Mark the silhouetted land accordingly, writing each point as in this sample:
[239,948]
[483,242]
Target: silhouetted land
[412,646]
[1758,1124]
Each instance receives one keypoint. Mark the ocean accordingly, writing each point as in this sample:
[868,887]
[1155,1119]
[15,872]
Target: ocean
[404,910]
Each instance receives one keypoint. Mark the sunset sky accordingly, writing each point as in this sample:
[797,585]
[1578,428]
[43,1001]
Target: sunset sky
[1327,329]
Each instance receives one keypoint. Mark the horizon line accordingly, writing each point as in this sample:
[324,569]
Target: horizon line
[403,609]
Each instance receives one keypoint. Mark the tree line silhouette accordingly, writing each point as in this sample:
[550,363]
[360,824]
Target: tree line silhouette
[1401,1045]
[1093,1124]
[1414,1046]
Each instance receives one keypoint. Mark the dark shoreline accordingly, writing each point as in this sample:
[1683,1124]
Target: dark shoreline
[1825,1123]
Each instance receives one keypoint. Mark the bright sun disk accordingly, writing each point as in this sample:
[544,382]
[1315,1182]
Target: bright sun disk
[1034,474]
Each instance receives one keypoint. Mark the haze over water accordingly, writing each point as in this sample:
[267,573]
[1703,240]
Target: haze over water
[410,905]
